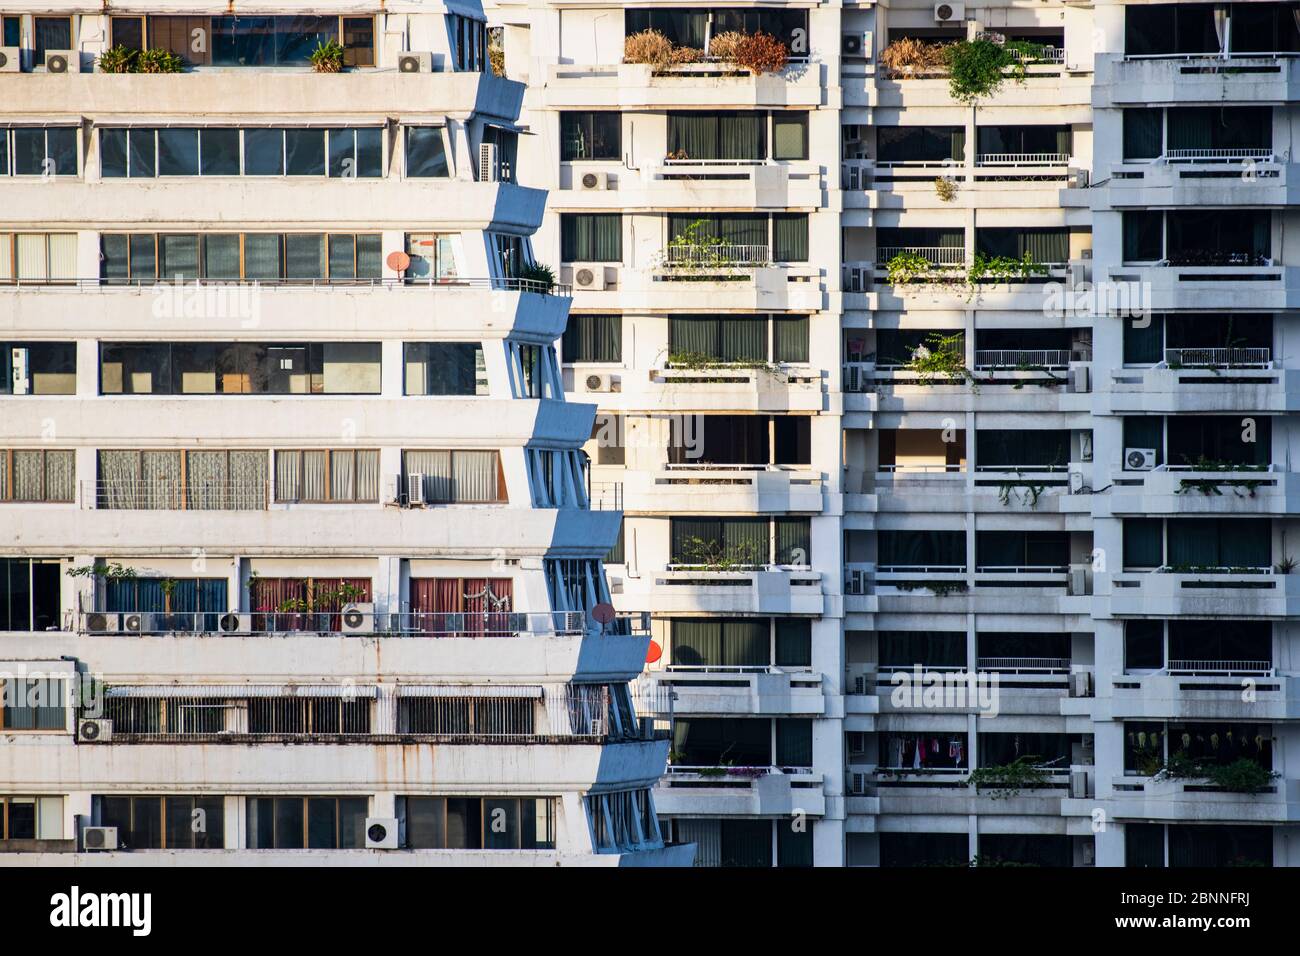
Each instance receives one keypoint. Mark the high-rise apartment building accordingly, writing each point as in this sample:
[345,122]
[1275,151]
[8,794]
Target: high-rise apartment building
[297,558]
[943,371]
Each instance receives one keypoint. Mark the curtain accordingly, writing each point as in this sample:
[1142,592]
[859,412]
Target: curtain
[1144,342]
[1191,128]
[789,136]
[221,256]
[593,338]
[742,340]
[790,237]
[207,480]
[790,338]
[1245,543]
[29,475]
[693,134]
[118,475]
[793,541]
[745,540]
[288,476]
[304,256]
[436,468]
[315,472]
[946,548]
[793,642]
[591,237]
[367,475]
[342,475]
[178,256]
[474,475]
[1143,138]
[1143,543]
[160,475]
[1222,27]
[794,742]
[742,229]
[262,256]
[698,335]
[247,477]
[927,648]
[5,490]
[742,136]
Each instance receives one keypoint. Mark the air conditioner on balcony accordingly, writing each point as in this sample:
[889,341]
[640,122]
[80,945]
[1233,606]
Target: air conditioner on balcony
[134,623]
[1078,785]
[488,169]
[11,60]
[235,623]
[857,743]
[599,382]
[1076,481]
[381,833]
[99,838]
[21,381]
[1077,585]
[1080,379]
[415,488]
[949,12]
[856,44]
[590,278]
[358,619]
[857,278]
[1139,459]
[1076,178]
[1077,272]
[594,180]
[1081,684]
[415,63]
[94,731]
[62,61]
[100,623]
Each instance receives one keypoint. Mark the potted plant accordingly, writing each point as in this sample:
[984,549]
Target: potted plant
[327,57]
[118,59]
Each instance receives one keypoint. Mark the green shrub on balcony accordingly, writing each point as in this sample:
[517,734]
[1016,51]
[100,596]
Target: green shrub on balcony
[977,69]
[118,59]
[1242,775]
[941,359]
[1010,779]
[158,61]
[1004,268]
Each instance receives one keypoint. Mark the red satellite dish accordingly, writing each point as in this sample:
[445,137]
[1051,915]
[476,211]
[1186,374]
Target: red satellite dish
[602,613]
[653,652]
[399,261]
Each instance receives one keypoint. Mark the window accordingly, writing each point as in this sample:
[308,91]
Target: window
[433,256]
[727,543]
[1047,246]
[754,440]
[30,591]
[591,237]
[52,33]
[38,368]
[726,642]
[127,32]
[693,26]
[37,475]
[11,31]
[304,604]
[456,477]
[575,584]
[534,371]
[593,338]
[165,823]
[726,338]
[347,475]
[920,144]
[195,480]
[38,257]
[239,368]
[426,154]
[478,823]
[790,237]
[468,43]
[31,818]
[1144,239]
[617,554]
[623,820]
[315,823]
[262,40]
[39,151]
[918,549]
[33,703]
[590,135]
[1188,544]
[557,478]
[445,368]
[700,135]
[789,136]
[239,257]
[356,153]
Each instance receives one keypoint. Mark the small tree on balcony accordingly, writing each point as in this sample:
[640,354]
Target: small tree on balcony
[1007,781]
[941,360]
[697,247]
[760,53]
[653,48]
[977,69]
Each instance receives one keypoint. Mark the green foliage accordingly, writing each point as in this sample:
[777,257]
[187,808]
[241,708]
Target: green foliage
[327,57]
[1286,565]
[1004,268]
[701,361]
[1029,493]
[1008,780]
[536,272]
[118,59]
[158,61]
[1240,776]
[977,68]
[111,571]
[907,266]
[941,360]
[708,554]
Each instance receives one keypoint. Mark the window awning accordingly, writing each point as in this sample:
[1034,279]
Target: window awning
[468,690]
[227,691]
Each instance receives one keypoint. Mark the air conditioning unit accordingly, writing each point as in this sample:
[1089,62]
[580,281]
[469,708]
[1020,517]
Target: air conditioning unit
[1085,446]
[1077,585]
[62,61]
[1139,459]
[856,44]
[134,623]
[381,833]
[1078,785]
[1076,178]
[94,731]
[99,838]
[1081,684]
[488,169]
[594,180]
[235,623]
[415,488]
[10,59]
[857,743]
[1080,379]
[949,12]
[415,63]
[857,278]
[1076,481]
[100,623]
[599,382]
[590,278]
[1077,272]
[19,364]
[358,619]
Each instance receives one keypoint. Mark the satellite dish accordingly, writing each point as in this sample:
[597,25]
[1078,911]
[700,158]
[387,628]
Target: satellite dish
[602,613]
[399,261]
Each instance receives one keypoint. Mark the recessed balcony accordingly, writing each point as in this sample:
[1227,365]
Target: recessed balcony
[735,691]
[725,489]
[1209,78]
[740,791]
[1216,387]
[1207,690]
[767,591]
[688,184]
[706,84]
[1146,798]
[1208,489]
[1228,592]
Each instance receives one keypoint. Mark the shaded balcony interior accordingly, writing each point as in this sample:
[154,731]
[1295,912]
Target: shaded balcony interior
[1210,29]
[1202,845]
[38,368]
[1198,134]
[1003,651]
[1192,647]
[1180,340]
[1150,745]
[1198,237]
[741,644]
[899,147]
[1044,247]
[741,340]
[1185,545]
[740,742]
[943,248]
[921,450]
[735,843]
[1038,551]
[1201,442]
[755,441]
[695,27]
[1022,449]
[1027,349]
[213,368]
[735,544]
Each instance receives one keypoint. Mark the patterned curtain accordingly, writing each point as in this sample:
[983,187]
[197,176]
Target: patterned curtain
[118,475]
[207,478]
[160,473]
[60,476]
[367,480]
[248,479]
[29,475]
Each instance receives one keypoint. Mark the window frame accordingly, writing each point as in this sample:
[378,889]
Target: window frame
[329,476]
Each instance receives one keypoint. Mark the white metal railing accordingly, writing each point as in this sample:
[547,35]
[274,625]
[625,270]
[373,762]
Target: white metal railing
[1053,665]
[216,286]
[718,254]
[935,255]
[1014,358]
[1220,357]
[920,469]
[333,623]
[1049,54]
[1023,159]
[1257,153]
[1189,668]
[921,569]
[1020,569]
[1022,469]
[174,495]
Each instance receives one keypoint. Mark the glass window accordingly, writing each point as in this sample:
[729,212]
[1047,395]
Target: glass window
[304,151]
[591,237]
[112,153]
[178,152]
[264,152]
[586,136]
[52,33]
[789,135]
[426,155]
[593,338]
[356,153]
[141,152]
[445,368]
[219,152]
[127,32]
[40,151]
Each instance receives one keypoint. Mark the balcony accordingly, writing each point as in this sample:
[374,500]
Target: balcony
[1213,387]
[1252,285]
[1211,592]
[684,184]
[740,791]
[1207,690]
[945,792]
[766,591]
[1189,801]
[704,388]
[354,623]
[707,84]
[1188,489]
[1050,82]
[687,280]
[733,691]
[1201,178]
[726,489]
[1208,78]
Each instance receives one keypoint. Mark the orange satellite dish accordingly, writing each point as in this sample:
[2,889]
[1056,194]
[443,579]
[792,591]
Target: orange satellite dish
[399,261]
[653,652]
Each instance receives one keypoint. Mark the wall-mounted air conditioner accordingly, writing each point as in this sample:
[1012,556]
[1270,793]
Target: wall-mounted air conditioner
[415,488]
[11,59]
[949,12]
[593,179]
[1139,459]
[1080,379]
[589,277]
[856,44]
[489,167]
[94,731]
[415,63]
[99,839]
[358,618]
[62,61]
[235,623]
[598,382]
[101,623]
[1078,584]
[1081,684]
[381,833]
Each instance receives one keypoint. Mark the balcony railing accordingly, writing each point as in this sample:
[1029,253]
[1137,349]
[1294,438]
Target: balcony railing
[1025,665]
[189,285]
[1189,668]
[728,254]
[469,624]
[1016,358]
[173,495]
[1202,155]
[1220,357]
[606,496]
[939,256]
[1023,159]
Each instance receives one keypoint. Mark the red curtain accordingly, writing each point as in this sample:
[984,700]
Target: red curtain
[484,602]
[270,595]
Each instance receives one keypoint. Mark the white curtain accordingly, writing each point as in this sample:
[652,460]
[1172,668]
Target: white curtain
[118,473]
[314,475]
[1222,27]
[342,474]
[368,475]
[248,479]
[60,476]
[475,475]
[208,480]
[436,468]
[288,475]
[29,475]
[160,474]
